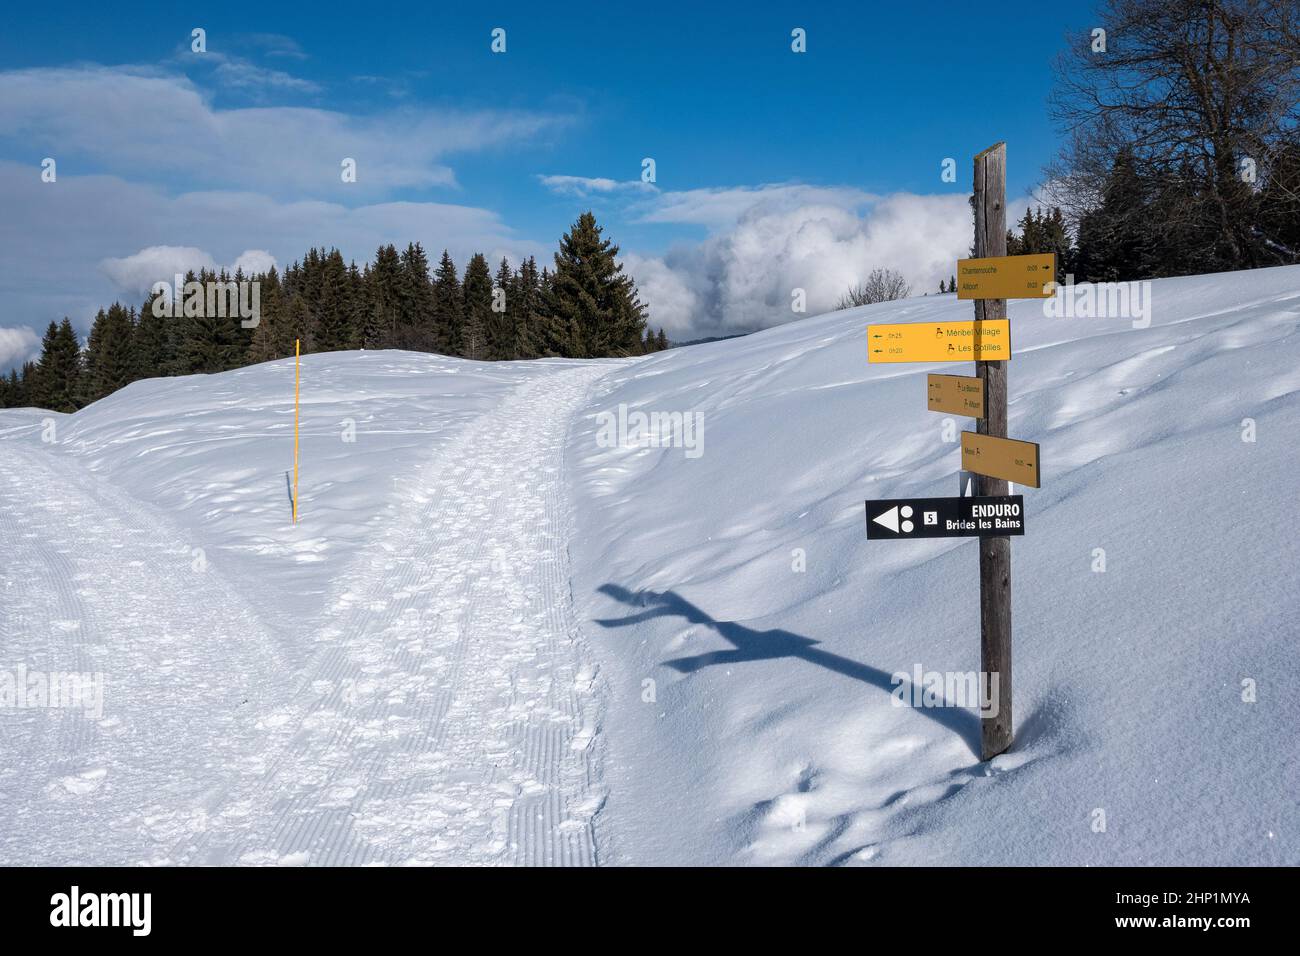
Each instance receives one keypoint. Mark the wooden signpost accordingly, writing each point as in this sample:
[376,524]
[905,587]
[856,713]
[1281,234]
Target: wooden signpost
[995,552]
[990,514]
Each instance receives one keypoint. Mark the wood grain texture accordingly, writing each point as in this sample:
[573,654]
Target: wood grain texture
[995,553]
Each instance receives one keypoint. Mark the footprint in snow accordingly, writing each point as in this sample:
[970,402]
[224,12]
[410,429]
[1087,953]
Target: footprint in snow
[80,784]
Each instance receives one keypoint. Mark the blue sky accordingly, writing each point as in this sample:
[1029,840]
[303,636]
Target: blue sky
[774,169]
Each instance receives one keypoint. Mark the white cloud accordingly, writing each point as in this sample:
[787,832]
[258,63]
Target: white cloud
[137,273]
[127,139]
[71,247]
[237,72]
[717,208]
[674,304]
[582,186]
[17,346]
[766,241]
[817,239]
[271,175]
[138,123]
[275,44]
[253,261]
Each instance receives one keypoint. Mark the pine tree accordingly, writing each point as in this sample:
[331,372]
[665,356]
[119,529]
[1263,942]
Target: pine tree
[383,312]
[527,304]
[273,338]
[309,289]
[477,305]
[1055,238]
[22,396]
[357,306]
[1028,240]
[502,315]
[57,378]
[298,326]
[28,378]
[175,329]
[1114,243]
[369,318]
[1042,232]
[593,309]
[662,342]
[210,342]
[553,334]
[13,391]
[150,342]
[239,338]
[109,361]
[333,305]
[418,326]
[448,308]
[89,359]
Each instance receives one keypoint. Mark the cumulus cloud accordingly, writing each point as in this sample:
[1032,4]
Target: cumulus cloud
[138,272]
[253,261]
[674,303]
[17,345]
[769,241]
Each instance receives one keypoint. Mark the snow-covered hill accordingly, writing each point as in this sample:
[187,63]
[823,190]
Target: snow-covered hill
[776,739]
[493,638]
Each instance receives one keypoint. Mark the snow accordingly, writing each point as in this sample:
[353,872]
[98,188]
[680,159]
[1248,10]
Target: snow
[776,740]
[494,639]
[397,679]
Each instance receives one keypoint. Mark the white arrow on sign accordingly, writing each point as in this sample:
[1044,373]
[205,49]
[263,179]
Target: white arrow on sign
[889,519]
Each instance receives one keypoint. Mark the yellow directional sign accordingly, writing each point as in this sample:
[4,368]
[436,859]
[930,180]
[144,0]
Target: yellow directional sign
[956,395]
[1006,277]
[1004,458]
[973,341]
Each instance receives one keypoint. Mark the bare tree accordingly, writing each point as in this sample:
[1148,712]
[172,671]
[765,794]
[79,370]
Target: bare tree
[1196,99]
[883,285]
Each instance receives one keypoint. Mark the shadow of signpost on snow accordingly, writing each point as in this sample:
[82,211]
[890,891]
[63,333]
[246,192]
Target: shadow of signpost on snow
[753,645]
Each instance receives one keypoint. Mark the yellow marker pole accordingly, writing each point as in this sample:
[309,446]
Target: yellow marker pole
[297,351]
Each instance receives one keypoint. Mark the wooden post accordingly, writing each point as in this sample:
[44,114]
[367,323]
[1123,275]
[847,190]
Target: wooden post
[995,553]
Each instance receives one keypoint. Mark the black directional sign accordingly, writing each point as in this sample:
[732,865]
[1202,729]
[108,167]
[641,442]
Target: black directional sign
[989,516]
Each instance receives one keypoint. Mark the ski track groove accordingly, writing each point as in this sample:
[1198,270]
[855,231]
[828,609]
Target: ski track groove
[129,604]
[438,724]
[446,715]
